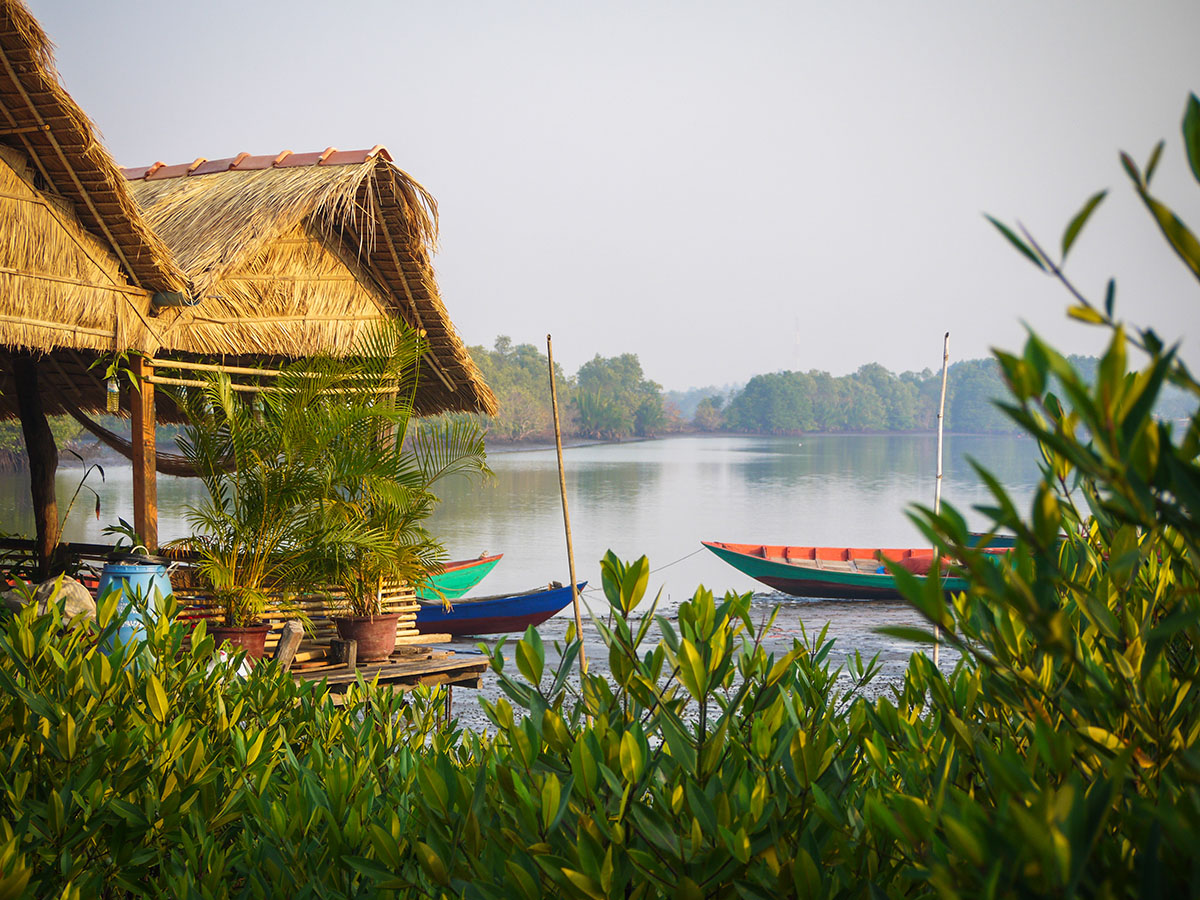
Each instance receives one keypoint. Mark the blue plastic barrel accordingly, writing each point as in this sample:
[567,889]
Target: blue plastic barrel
[144,577]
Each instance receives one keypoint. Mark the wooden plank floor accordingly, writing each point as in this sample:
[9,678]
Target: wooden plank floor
[407,668]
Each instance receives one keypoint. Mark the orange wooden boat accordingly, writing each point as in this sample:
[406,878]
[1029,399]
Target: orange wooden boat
[838,573]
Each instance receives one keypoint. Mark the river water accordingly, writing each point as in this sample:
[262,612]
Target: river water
[659,498]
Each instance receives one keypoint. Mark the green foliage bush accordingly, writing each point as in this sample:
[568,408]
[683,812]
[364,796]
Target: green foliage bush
[614,399]
[152,771]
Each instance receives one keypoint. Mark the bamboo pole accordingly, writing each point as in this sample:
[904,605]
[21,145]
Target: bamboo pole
[74,282]
[105,333]
[271,320]
[266,389]
[142,437]
[937,491]
[562,487]
[164,363]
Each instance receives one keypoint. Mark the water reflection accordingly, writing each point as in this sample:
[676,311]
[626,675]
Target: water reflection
[660,498]
[663,497]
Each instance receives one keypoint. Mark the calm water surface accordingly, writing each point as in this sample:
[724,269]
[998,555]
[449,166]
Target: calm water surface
[659,498]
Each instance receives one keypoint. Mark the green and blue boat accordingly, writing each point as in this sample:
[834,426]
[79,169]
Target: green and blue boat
[836,573]
[456,578]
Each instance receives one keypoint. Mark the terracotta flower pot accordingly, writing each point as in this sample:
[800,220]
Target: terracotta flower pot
[376,635]
[252,637]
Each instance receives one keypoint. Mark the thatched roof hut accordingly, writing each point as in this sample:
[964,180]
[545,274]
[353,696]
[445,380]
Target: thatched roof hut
[308,249]
[285,255]
[78,265]
[294,254]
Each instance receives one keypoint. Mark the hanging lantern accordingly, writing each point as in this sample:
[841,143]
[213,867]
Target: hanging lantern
[112,393]
[256,408]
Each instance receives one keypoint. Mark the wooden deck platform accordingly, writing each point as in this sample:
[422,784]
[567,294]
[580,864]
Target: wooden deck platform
[407,668]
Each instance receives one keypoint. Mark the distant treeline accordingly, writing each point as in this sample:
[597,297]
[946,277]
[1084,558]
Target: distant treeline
[611,398]
[869,400]
[608,398]
[74,443]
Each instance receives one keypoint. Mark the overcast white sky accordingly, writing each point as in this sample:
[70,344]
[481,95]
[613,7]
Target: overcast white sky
[722,188]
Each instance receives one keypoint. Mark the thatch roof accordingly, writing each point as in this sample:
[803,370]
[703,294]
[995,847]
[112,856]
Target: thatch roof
[308,247]
[291,255]
[78,265]
[40,121]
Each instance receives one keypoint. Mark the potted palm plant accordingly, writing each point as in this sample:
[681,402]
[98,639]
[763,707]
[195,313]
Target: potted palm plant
[365,528]
[246,524]
[368,530]
[317,487]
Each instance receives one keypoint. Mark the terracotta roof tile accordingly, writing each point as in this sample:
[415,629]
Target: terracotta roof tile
[347,157]
[169,171]
[211,165]
[244,162]
[249,163]
[305,159]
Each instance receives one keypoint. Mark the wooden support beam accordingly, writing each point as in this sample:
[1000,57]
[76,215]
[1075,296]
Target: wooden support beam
[344,653]
[142,437]
[289,643]
[25,129]
[43,461]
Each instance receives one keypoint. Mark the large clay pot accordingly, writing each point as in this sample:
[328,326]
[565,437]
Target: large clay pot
[376,635]
[252,637]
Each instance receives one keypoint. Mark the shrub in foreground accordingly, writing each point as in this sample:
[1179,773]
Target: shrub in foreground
[153,771]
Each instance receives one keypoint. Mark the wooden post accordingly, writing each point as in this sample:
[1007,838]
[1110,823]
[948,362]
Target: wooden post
[289,643]
[43,461]
[562,487]
[142,437]
[937,491]
[343,652]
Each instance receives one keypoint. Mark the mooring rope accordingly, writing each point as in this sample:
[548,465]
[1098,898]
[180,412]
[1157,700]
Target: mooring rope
[588,590]
[681,559]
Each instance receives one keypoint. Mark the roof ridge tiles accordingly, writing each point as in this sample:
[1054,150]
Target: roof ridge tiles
[245,162]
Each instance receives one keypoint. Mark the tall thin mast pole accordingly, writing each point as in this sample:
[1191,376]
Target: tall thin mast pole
[937,491]
[562,488]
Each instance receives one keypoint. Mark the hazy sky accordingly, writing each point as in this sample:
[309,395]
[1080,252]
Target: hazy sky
[722,188]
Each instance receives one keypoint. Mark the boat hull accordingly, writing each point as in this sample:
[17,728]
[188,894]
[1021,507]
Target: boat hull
[500,614]
[458,577]
[798,570]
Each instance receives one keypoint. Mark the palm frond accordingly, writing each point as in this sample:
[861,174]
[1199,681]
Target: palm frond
[451,447]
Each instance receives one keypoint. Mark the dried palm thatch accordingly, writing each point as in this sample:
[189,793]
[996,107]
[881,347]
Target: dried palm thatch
[296,254]
[59,285]
[78,265]
[308,248]
[41,121]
